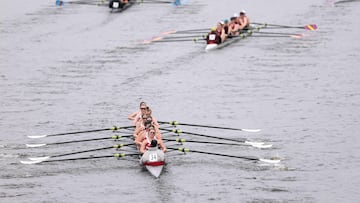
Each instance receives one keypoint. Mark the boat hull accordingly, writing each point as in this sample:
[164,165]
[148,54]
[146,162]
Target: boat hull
[154,161]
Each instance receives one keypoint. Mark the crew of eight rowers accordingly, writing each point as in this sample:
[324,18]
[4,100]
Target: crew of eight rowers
[146,129]
[227,29]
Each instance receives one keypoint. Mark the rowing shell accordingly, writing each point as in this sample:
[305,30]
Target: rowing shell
[153,160]
[228,41]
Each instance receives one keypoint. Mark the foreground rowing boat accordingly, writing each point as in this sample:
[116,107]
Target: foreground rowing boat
[228,41]
[153,160]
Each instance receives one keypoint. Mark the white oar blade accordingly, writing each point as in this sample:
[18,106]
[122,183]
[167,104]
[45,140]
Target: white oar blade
[251,130]
[30,162]
[254,143]
[35,145]
[44,158]
[263,146]
[36,136]
[270,161]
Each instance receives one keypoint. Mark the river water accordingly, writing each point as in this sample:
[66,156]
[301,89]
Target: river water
[79,67]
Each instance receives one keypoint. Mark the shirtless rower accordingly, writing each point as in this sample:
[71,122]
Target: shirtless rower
[145,144]
[244,20]
[136,116]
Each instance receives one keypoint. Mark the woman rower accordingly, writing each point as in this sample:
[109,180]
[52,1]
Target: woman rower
[146,143]
[233,27]
[136,116]
[244,20]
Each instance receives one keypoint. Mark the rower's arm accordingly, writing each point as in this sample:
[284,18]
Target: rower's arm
[162,146]
[132,116]
[142,147]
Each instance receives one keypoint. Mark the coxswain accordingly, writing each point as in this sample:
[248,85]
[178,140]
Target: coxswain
[136,116]
[146,143]
[213,37]
[153,156]
[244,20]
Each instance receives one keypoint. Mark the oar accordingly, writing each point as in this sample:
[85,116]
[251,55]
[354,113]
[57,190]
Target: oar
[185,31]
[175,3]
[117,146]
[115,137]
[61,3]
[257,144]
[185,150]
[253,144]
[79,132]
[175,40]
[175,123]
[81,158]
[306,27]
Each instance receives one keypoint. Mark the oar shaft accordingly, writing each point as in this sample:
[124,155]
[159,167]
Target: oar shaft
[174,123]
[88,140]
[93,157]
[86,131]
[92,150]
[216,154]
[203,135]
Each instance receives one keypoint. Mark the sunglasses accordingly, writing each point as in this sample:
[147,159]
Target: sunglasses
[152,132]
[143,108]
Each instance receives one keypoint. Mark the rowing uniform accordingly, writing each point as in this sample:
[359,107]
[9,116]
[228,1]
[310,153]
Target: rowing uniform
[213,37]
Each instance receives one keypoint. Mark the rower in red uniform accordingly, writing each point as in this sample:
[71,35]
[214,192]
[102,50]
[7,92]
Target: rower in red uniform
[146,143]
[213,37]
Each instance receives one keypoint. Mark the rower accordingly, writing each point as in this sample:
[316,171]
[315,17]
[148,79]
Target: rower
[146,143]
[213,37]
[233,27]
[143,134]
[154,120]
[153,156]
[136,116]
[226,27]
[220,29]
[244,20]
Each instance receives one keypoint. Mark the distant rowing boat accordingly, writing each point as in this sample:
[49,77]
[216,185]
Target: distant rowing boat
[117,6]
[228,41]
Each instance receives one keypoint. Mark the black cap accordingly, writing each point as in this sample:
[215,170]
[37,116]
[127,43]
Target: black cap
[153,143]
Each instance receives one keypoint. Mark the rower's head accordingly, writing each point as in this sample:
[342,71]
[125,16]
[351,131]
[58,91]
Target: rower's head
[226,21]
[233,19]
[152,132]
[143,107]
[220,25]
[148,111]
[213,29]
[242,12]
